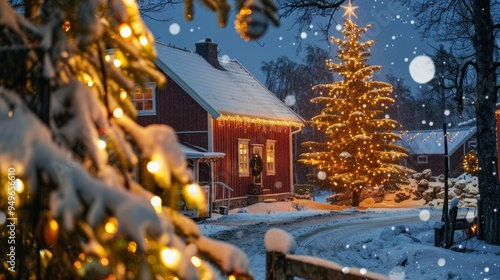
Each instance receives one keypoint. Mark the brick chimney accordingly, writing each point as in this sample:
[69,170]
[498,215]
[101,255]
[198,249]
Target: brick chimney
[208,50]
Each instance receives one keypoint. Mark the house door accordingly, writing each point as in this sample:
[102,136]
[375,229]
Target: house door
[257,150]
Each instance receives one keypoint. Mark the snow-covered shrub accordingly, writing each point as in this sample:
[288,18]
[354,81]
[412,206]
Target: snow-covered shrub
[297,204]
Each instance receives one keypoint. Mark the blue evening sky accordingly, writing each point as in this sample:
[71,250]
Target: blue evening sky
[397,41]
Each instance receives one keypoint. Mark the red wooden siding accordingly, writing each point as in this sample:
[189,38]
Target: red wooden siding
[177,109]
[497,115]
[226,134]
[435,162]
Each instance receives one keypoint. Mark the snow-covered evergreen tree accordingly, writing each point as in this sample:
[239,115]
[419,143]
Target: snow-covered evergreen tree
[359,150]
[70,207]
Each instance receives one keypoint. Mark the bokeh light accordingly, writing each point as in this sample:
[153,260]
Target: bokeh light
[422,69]
[174,28]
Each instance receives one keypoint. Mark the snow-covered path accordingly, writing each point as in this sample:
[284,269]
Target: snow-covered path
[368,239]
[249,235]
[339,242]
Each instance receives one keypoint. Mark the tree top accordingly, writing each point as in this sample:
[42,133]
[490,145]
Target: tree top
[349,10]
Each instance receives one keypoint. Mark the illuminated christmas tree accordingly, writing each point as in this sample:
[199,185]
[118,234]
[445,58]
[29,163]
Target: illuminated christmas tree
[359,150]
[70,206]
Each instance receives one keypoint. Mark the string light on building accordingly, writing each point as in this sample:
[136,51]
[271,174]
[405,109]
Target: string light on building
[262,124]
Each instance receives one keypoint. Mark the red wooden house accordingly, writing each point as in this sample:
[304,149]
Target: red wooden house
[497,117]
[426,149]
[223,117]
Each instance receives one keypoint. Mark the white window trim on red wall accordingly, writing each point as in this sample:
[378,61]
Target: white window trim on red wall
[151,112]
[243,155]
[271,157]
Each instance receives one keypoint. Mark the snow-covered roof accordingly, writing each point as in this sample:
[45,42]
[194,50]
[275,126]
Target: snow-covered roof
[427,142]
[195,153]
[233,91]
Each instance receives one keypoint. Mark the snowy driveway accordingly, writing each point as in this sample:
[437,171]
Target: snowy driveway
[365,239]
[325,236]
[346,243]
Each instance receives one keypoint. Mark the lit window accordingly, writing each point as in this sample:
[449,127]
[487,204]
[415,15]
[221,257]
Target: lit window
[422,159]
[145,99]
[243,160]
[270,157]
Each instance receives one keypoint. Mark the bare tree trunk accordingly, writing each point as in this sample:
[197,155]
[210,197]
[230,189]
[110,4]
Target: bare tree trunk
[489,188]
[355,198]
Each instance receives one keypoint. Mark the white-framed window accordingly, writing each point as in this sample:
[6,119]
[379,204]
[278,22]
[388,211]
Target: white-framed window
[243,158]
[472,144]
[145,99]
[421,159]
[270,157]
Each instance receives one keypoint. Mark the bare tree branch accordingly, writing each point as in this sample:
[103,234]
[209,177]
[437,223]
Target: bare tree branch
[460,91]
[306,11]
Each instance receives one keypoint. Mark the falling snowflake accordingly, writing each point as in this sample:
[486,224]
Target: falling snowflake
[422,69]
[174,28]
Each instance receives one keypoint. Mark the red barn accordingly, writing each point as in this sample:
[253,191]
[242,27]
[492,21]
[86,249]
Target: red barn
[426,149]
[229,124]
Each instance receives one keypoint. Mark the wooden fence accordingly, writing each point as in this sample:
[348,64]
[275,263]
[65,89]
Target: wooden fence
[285,267]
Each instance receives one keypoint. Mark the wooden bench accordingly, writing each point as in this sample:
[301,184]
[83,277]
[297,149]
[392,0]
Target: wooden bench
[455,222]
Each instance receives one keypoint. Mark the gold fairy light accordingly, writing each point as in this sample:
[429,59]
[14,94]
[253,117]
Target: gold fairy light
[125,30]
[66,26]
[156,202]
[196,261]
[117,63]
[153,166]
[251,120]
[111,225]
[123,94]
[170,257]
[101,144]
[143,40]
[118,113]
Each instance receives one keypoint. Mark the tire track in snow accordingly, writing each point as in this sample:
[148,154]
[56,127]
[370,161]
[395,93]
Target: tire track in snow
[337,242]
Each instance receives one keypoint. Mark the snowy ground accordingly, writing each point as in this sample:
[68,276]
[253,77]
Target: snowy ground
[397,242]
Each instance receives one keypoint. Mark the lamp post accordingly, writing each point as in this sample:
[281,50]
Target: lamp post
[445,217]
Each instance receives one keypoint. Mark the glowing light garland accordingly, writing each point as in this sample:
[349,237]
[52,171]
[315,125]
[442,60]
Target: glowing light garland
[241,121]
[450,137]
[470,163]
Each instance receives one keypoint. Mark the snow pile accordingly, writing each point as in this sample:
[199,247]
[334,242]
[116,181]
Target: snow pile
[280,241]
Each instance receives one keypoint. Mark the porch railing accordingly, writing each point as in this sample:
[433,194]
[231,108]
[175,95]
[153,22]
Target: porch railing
[224,208]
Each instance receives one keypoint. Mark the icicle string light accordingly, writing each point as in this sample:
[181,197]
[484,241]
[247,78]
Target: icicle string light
[245,122]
